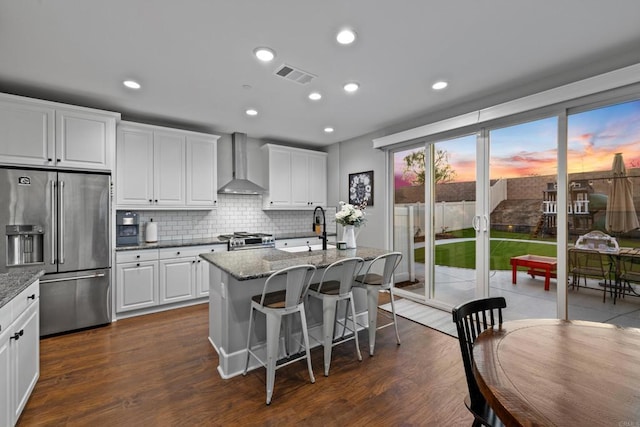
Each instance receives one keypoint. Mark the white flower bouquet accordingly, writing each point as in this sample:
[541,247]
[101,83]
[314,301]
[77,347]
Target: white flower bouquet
[350,215]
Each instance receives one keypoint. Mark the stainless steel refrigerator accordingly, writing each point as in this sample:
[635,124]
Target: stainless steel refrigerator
[59,222]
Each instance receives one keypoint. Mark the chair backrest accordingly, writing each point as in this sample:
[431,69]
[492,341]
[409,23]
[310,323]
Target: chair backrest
[471,318]
[586,261]
[631,266]
[298,278]
[348,269]
[390,262]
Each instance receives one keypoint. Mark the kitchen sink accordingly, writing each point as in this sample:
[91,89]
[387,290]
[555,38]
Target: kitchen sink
[305,248]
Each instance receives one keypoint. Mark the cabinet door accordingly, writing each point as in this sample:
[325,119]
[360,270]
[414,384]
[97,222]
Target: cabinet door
[299,180]
[279,178]
[202,270]
[317,170]
[169,169]
[177,279]
[202,177]
[137,285]
[134,167]
[25,357]
[84,140]
[27,134]
[202,278]
[5,380]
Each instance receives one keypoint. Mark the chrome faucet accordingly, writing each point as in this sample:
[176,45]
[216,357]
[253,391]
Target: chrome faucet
[316,226]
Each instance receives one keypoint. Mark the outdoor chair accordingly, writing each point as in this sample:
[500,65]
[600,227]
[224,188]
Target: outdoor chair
[471,318]
[585,263]
[629,271]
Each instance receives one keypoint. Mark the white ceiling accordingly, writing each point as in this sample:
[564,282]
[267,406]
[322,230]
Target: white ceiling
[194,58]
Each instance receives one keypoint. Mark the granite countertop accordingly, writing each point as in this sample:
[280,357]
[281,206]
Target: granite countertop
[15,281]
[205,241]
[172,244]
[257,263]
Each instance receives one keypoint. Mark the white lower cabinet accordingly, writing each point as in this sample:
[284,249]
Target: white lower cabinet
[19,353]
[158,277]
[177,276]
[136,280]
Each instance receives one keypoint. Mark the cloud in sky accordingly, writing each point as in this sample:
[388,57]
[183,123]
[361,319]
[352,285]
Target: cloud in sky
[531,148]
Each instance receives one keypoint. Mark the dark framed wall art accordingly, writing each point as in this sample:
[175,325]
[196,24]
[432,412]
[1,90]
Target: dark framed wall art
[361,188]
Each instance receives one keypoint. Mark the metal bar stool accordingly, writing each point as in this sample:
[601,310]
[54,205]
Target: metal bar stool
[276,305]
[331,292]
[374,283]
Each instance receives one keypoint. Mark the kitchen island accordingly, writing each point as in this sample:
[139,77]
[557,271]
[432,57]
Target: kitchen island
[237,276]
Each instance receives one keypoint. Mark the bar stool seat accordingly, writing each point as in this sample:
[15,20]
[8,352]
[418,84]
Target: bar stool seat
[275,305]
[331,292]
[374,282]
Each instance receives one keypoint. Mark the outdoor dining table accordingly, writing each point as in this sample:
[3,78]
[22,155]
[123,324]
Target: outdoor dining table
[550,372]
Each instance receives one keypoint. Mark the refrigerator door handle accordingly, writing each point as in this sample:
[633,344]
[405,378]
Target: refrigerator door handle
[61,227]
[66,279]
[53,221]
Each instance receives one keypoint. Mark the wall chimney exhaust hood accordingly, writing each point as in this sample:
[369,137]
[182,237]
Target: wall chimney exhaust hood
[239,183]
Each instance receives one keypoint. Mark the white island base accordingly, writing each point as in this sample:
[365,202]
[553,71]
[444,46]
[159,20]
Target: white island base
[230,301]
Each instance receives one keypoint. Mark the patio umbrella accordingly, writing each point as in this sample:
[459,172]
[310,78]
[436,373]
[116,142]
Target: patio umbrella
[621,214]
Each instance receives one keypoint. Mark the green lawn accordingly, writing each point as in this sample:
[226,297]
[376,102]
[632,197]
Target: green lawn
[462,254]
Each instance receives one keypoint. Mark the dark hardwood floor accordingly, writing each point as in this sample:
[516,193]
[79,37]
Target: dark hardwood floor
[160,370]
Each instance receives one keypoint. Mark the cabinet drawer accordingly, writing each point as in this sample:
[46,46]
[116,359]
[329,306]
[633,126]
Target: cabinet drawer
[291,243]
[136,256]
[186,251]
[25,298]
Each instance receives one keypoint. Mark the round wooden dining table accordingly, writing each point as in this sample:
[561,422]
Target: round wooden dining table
[549,372]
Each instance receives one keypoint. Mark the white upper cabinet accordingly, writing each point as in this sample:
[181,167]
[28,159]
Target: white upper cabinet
[162,168]
[39,133]
[297,178]
[169,185]
[202,175]
[134,167]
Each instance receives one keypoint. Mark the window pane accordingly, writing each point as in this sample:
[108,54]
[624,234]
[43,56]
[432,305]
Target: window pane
[604,193]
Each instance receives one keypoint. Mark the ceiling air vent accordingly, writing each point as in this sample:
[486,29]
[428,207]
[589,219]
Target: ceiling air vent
[294,74]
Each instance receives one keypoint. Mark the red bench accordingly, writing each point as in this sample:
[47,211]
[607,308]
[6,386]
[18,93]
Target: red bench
[537,265]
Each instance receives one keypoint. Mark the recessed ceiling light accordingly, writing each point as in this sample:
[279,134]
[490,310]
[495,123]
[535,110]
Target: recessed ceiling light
[264,54]
[328,129]
[131,84]
[252,112]
[314,96]
[351,87]
[439,85]
[346,36]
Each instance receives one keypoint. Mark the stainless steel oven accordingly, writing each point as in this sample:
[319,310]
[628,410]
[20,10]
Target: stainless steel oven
[240,240]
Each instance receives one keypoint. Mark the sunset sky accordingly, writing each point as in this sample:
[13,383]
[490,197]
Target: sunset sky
[530,148]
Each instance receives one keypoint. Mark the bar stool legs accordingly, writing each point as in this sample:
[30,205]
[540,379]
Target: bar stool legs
[372,309]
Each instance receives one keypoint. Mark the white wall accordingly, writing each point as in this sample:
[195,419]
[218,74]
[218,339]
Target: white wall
[358,155]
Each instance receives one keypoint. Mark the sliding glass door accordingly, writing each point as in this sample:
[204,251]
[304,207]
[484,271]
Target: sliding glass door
[473,203]
[522,189]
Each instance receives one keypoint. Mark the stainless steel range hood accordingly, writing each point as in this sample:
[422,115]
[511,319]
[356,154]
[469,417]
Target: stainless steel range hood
[239,183]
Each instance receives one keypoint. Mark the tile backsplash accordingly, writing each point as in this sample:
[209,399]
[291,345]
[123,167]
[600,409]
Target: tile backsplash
[234,213]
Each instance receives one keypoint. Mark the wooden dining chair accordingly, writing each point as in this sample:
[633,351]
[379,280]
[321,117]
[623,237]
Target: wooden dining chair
[275,305]
[471,318]
[336,285]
